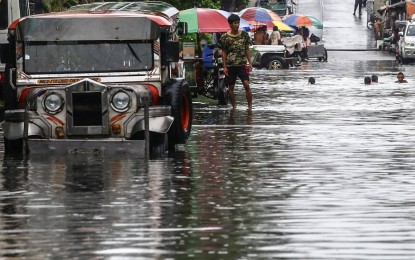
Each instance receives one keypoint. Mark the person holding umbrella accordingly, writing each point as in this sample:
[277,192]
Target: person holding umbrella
[235,54]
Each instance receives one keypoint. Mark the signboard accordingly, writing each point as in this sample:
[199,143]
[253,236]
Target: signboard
[188,50]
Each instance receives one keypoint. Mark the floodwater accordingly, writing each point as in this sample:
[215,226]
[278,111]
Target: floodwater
[322,171]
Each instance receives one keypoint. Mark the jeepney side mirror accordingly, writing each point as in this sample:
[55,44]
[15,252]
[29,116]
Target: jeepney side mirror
[400,33]
[170,52]
[181,28]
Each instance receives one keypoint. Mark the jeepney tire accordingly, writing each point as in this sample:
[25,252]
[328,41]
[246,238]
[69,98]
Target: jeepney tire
[180,100]
[223,97]
[325,56]
[13,149]
[276,63]
[158,145]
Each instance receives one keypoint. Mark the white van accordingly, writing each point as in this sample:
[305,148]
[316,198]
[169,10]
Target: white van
[10,10]
[406,44]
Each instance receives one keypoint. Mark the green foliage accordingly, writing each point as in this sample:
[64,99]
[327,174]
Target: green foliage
[60,5]
[186,4]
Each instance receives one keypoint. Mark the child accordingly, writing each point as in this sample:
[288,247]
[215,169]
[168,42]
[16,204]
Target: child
[374,78]
[401,78]
[368,80]
[311,80]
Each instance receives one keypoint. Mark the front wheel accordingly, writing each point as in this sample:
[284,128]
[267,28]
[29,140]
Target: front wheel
[276,63]
[182,111]
[222,92]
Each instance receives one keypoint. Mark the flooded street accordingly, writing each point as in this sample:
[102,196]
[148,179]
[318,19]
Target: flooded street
[320,171]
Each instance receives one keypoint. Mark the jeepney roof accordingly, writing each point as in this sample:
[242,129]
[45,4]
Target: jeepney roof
[92,25]
[153,6]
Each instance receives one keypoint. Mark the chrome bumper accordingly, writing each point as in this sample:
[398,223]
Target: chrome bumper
[79,147]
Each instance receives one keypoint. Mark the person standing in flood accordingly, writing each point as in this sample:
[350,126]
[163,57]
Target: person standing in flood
[275,37]
[356,4]
[235,55]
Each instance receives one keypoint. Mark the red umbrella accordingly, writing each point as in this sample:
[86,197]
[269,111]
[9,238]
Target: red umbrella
[206,20]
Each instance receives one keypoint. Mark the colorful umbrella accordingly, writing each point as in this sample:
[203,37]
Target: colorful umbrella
[259,14]
[302,20]
[206,20]
[281,26]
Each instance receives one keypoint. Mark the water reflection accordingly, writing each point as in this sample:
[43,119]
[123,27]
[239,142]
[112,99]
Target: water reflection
[313,172]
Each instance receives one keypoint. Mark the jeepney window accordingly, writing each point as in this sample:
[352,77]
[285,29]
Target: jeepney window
[84,57]
[411,31]
[4,16]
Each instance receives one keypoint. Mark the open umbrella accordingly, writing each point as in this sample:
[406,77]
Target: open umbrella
[303,20]
[259,14]
[206,20]
[270,25]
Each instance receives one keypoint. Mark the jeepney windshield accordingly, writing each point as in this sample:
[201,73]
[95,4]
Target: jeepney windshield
[84,57]
[411,30]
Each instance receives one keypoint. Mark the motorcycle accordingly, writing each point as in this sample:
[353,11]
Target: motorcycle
[214,81]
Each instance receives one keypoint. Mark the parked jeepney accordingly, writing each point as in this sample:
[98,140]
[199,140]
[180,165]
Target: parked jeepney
[10,10]
[280,7]
[100,77]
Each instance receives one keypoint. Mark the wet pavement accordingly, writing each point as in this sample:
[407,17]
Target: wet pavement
[318,171]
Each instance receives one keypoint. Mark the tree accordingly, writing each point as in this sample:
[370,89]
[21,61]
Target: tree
[229,5]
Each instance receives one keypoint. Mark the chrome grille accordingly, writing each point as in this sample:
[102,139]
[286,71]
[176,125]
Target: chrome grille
[87,108]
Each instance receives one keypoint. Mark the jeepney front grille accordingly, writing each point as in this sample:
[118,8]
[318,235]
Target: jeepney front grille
[87,109]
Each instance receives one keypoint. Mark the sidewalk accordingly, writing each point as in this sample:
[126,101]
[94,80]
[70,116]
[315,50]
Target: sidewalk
[341,30]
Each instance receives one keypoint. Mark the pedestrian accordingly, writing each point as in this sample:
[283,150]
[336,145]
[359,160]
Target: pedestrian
[235,55]
[311,80]
[368,80]
[356,4]
[401,78]
[275,37]
[374,78]
[377,26]
[260,36]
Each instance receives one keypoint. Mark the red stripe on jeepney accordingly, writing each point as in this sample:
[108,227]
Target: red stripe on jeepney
[118,117]
[154,93]
[55,120]
[160,20]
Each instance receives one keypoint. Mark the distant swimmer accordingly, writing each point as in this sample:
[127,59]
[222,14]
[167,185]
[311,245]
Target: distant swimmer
[311,80]
[375,78]
[368,80]
[401,78]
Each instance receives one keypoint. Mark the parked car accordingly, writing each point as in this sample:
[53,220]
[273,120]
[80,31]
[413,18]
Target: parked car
[406,43]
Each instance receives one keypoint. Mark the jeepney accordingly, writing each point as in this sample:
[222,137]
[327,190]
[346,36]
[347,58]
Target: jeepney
[10,10]
[100,77]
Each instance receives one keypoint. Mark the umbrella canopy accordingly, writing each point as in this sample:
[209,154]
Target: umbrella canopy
[259,14]
[270,25]
[303,20]
[206,20]
[282,26]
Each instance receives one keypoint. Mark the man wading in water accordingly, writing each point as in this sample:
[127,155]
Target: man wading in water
[235,53]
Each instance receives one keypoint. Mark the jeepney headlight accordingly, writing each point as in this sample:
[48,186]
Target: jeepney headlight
[120,101]
[53,103]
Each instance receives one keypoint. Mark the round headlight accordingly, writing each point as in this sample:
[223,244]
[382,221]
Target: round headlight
[120,101]
[53,103]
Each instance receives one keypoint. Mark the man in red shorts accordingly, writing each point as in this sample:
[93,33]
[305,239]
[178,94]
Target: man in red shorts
[235,54]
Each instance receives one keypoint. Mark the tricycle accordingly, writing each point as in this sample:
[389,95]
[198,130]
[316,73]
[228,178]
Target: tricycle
[315,49]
